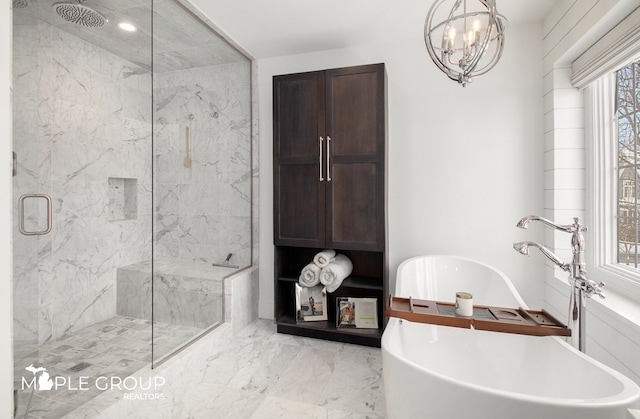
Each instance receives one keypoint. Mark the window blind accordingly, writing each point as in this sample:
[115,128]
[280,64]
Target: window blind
[617,48]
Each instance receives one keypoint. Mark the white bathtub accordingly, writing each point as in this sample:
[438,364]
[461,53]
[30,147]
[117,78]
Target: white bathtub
[444,372]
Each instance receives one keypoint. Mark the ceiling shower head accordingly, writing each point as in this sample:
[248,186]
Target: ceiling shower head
[80,14]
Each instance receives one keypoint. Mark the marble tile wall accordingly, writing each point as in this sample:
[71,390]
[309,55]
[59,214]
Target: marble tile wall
[204,210]
[81,116]
[134,291]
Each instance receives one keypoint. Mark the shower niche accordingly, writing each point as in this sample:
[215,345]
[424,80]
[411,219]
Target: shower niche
[103,122]
[123,198]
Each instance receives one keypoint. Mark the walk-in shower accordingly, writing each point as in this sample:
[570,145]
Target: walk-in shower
[132,188]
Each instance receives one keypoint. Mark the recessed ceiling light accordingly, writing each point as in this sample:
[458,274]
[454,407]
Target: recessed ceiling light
[126,26]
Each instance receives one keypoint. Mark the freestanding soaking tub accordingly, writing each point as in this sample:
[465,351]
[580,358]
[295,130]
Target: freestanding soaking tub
[444,372]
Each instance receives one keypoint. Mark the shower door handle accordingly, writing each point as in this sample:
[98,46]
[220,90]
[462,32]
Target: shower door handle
[21,214]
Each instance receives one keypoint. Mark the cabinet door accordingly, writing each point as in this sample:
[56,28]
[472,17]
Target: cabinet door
[355,113]
[299,191]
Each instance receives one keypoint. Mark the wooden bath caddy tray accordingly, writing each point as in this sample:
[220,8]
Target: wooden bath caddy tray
[496,319]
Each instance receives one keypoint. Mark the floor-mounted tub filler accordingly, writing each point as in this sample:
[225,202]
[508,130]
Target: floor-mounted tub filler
[445,372]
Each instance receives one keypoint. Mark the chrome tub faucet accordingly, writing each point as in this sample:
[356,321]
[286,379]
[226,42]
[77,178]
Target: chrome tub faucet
[523,247]
[581,287]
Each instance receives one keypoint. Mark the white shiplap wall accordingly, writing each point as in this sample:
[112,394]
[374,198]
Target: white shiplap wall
[613,331]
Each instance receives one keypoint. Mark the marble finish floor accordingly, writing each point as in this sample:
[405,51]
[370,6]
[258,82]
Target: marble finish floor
[256,373]
[116,347]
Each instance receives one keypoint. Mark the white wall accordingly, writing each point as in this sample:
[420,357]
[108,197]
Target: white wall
[6,361]
[465,164]
[613,325]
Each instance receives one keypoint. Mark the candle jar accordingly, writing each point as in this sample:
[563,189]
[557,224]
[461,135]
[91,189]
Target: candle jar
[464,304]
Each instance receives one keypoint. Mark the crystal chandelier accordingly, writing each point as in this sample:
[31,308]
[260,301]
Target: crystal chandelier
[467,39]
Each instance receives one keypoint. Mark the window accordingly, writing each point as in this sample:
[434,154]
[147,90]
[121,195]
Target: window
[628,134]
[612,125]
[608,74]
[611,183]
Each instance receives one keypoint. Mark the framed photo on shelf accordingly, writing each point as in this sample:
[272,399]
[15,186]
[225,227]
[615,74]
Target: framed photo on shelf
[311,303]
[346,316]
[355,312]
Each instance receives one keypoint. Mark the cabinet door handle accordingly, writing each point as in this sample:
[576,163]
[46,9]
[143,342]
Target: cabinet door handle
[320,159]
[328,156]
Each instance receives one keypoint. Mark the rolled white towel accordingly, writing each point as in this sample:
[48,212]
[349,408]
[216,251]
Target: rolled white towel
[310,275]
[324,258]
[337,271]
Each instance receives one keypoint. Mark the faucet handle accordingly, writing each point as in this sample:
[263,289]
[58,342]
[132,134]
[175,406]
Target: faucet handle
[577,225]
[591,288]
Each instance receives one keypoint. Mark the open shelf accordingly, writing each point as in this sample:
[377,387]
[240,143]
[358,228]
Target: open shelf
[328,330]
[368,280]
[350,282]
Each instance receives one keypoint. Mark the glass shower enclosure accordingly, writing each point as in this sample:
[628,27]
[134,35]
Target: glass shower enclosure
[131,188]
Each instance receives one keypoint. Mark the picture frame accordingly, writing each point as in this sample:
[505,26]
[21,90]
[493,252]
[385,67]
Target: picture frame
[356,312]
[311,303]
[345,316]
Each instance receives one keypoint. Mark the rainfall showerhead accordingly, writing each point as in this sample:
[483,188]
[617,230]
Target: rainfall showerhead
[80,14]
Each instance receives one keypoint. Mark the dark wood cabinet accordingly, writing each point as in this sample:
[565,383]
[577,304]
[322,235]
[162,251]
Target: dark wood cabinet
[329,187]
[329,166]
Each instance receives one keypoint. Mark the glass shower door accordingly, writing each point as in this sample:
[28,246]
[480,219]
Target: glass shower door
[32,204]
[31,225]
[81,105]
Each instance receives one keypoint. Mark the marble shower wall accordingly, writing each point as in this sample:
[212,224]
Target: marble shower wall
[82,131]
[203,212]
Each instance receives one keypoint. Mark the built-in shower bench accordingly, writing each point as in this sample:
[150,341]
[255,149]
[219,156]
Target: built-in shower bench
[184,293]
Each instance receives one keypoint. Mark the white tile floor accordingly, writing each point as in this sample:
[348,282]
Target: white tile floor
[258,374]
